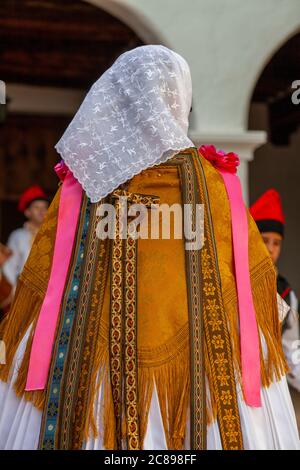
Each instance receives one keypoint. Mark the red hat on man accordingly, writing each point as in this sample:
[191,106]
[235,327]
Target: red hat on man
[268,213]
[34,193]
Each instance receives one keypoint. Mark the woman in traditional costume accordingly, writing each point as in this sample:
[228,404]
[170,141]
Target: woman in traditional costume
[143,343]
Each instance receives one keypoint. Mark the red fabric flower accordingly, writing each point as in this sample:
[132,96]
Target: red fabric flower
[61,170]
[219,159]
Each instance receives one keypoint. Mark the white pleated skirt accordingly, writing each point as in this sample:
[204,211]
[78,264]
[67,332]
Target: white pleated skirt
[271,427]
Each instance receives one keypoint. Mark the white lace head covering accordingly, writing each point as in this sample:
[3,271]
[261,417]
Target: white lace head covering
[133,117]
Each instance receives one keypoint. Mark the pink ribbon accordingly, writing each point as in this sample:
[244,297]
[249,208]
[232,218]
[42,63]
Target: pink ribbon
[68,214]
[227,164]
[249,339]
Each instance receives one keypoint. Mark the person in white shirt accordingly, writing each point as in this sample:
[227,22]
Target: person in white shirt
[268,214]
[33,204]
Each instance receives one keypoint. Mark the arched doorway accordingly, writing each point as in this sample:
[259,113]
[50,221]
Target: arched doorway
[135,18]
[50,54]
[277,163]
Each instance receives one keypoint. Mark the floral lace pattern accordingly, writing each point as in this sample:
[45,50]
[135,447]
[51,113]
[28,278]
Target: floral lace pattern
[135,116]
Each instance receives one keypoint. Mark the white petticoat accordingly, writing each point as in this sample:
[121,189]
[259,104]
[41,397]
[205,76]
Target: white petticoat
[273,426]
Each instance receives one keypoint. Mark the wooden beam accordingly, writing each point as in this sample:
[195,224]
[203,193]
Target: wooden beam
[100,30]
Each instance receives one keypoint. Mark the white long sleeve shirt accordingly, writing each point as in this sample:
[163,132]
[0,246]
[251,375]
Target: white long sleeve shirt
[20,242]
[291,343]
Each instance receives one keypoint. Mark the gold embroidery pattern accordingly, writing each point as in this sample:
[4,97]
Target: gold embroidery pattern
[116,323]
[193,260]
[216,332]
[146,199]
[73,405]
[93,317]
[130,347]
[123,317]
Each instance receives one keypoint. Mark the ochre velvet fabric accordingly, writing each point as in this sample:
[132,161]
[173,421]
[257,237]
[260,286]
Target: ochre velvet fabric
[162,292]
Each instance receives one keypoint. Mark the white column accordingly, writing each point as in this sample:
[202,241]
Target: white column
[242,143]
[41,100]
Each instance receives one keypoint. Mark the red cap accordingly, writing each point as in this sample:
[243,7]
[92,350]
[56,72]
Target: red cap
[267,212]
[29,195]
[267,207]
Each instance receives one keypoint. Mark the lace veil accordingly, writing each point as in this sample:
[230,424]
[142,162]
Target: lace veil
[134,116]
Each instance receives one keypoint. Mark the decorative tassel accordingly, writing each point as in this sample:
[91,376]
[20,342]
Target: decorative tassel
[30,292]
[172,382]
[37,397]
[22,314]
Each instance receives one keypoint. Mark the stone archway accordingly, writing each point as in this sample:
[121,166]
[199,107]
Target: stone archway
[134,18]
[226,45]
[277,164]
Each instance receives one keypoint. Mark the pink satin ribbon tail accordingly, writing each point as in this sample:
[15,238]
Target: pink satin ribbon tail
[249,335]
[42,346]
